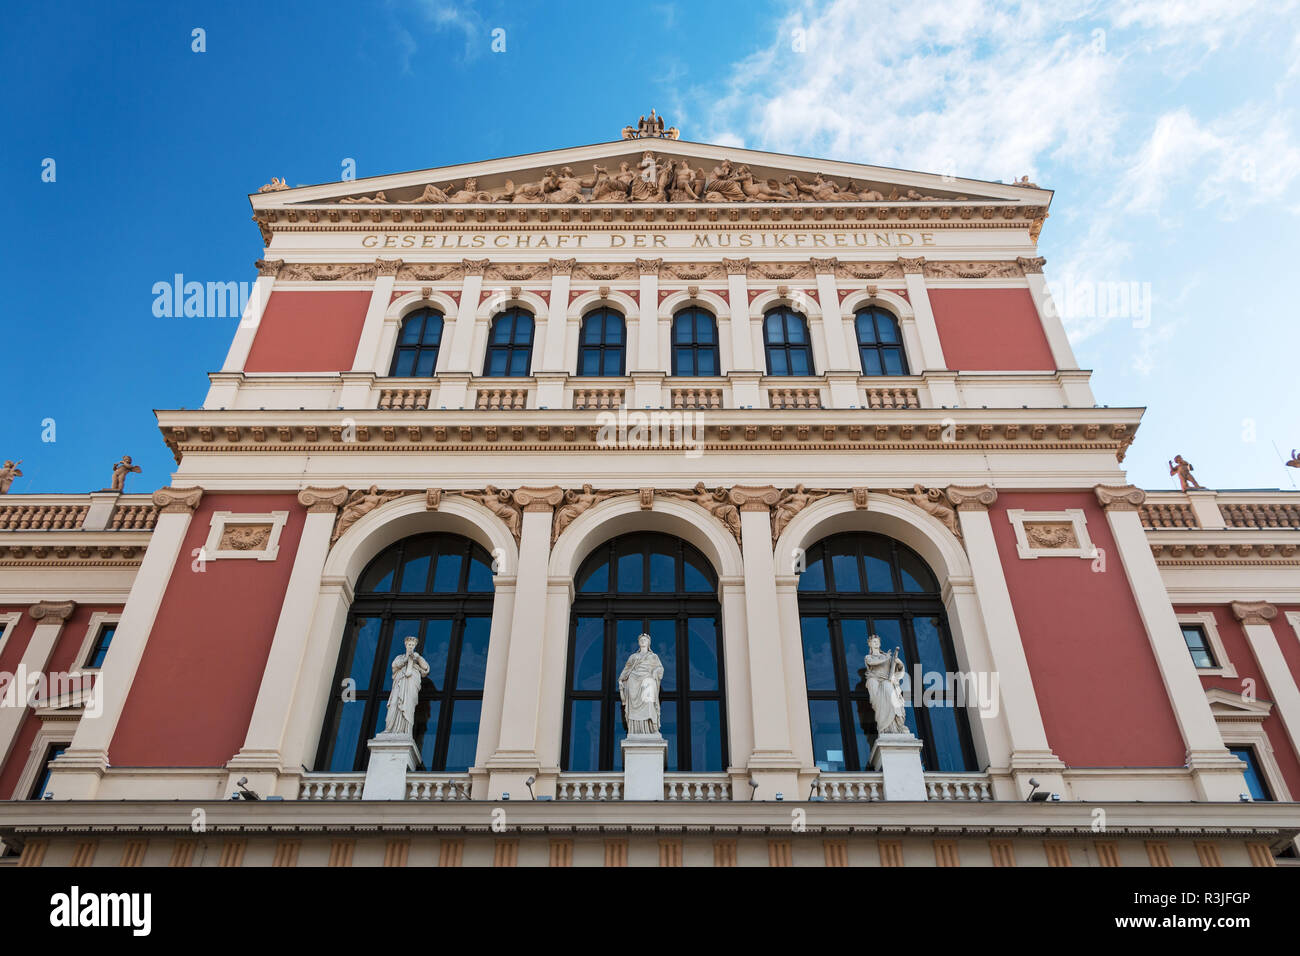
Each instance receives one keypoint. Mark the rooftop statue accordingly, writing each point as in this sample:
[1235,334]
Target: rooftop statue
[1183,469]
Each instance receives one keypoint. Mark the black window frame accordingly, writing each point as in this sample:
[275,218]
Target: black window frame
[785,348]
[99,649]
[692,346]
[613,605]
[512,346]
[1253,763]
[606,353]
[876,315]
[905,606]
[420,347]
[394,605]
[52,752]
[1205,647]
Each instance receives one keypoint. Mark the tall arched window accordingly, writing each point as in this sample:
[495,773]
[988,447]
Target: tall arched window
[880,345]
[695,343]
[662,586]
[856,585]
[416,355]
[438,589]
[601,343]
[785,333]
[510,345]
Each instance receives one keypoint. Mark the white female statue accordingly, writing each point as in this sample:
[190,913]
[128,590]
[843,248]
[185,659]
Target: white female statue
[638,687]
[884,687]
[408,670]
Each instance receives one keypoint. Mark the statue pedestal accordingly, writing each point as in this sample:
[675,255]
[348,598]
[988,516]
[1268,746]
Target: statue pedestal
[899,757]
[391,756]
[644,756]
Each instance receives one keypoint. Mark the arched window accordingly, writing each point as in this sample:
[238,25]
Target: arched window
[857,585]
[785,333]
[662,586]
[438,589]
[416,355]
[510,345]
[880,345]
[601,348]
[695,343]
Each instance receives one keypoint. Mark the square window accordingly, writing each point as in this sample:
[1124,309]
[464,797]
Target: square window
[1198,645]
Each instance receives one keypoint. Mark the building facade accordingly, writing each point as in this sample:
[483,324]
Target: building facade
[759,407]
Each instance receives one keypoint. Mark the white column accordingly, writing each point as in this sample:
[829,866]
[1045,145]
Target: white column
[1217,774]
[551,372]
[516,755]
[926,329]
[742,349]
[494,682]
[646,372]
[75,775]
[368,358]
[262,757]
[456,370]
[267,270]
[796,684]
[840,356]
[50,617]
[1031,754]
[1053,327]
[555,659]
[1256,619]
[773,764]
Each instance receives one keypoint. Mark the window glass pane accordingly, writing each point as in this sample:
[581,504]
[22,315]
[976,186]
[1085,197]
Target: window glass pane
[871,362]
[523,329]
[614,330]
[436,650]
[795,330]
[828,742]
[593,329]
[853,638]
[818,665]
[682,327]
[584,735]
[876,557]
[411,330]
[916,576]
[663,570]
[588,653]
[497,359]
[866,328]
[473,654]
[697,574]
[800,362]
[426,730]
[1198,646]
[344,753]
[480,573]
[887,330]
[893,361]
[446,573]
[379,576]
[703,659]
[415,565]
[844,565]
[946,738]
[405,363]
[403,627]
[501,329]
[1254,779]
[102,643]
[590,364]
[777,360]
[597,579]
[862,732]
[464,734]
[682,358]
[427,361]
[774,329]
[671,733]
[706,736]
[519,364]
[890,630]
[705,328]
[366,631]
[706,362]
[432,329]
[929,645]
[630,578]
[814,578]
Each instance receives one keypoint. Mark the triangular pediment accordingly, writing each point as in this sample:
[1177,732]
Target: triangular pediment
[651,171]
[1225,705]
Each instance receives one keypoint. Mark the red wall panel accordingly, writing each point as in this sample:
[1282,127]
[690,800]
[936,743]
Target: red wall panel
[308,332]
[1099,688]
[990,330]
[1247,666]
[63,659]
[197,682]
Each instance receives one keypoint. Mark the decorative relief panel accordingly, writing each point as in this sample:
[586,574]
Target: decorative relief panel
[233,535]
[1052,534]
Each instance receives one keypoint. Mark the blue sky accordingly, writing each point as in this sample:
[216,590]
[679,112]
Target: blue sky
[1169,132]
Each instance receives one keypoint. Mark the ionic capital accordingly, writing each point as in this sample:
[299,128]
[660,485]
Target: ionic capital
[826,266]
[387,267]
[972,497]
[52,612]
[736,266]
[649,267]
[1031,264]
[474,267]
[1119,497]
[539,499]
[177,500]
[269,267]
[754,497]
[561,267]
[1253,612]
[323,500]
[914,266]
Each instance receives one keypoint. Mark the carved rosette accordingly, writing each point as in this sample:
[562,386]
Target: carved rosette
[649,267]
[269,267]
[1253,612]
[824,266]
[474,267]
[914,266]
[539,499]
[1031,264]
[177,500]
[972,497]
[1119,497]
[323,500]
[736,266]
[52,612]
[387,267]
[561,267]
